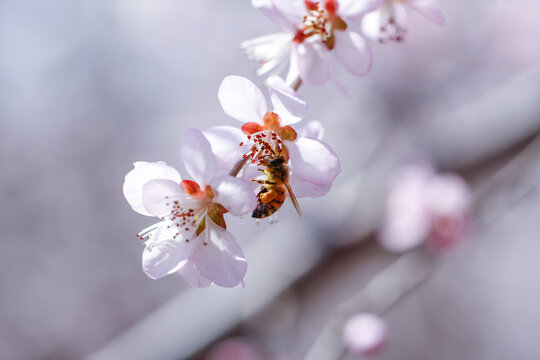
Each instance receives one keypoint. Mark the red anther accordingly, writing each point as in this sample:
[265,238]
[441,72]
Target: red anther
[249,137]
[331,6]
[242,143]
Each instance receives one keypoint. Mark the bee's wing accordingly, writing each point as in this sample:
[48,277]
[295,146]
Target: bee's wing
[293,199]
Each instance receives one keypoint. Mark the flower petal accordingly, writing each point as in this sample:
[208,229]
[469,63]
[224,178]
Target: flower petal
[241,99]
[290,106]
[162,254]
[303,188]
[141,174]
[355,9]
[192,276]
[429,10]
[225,143]
[314,62]
[314,160]
[221,260]
[198,158]
[273,13]
[353,52]
[294,73]
[365,334]
[159,195]
[313,129]
[234,194]
[292,10]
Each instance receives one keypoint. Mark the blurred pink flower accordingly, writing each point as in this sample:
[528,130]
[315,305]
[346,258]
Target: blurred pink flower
[424,206]
[235,349]
[389,21]
[311,32]
[192,238]
[312,162]
[365,334]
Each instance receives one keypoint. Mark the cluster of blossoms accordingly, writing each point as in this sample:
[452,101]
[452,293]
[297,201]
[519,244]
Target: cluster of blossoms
[225,162]
[311,31]
[191,237]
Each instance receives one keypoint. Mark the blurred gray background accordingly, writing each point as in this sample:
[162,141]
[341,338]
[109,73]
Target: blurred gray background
[88,87]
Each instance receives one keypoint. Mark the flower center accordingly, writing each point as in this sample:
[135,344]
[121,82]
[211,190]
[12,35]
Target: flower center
[267,140]
[391,29]
[187,216]
[320,21]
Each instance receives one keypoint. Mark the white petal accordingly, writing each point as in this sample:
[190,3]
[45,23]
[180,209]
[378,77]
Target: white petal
[353,52]
[159,195]
[221,260]
[293,10]
[192,276]
[272,52]
[241,99]
[371,25]
[162,255]
[355,9]
[447,196]
[313,129]
[141,174]
[303,188]
[294,73]
[198,158]
[289,105]
[314,160]
[429,10]
[314,62]
[275,15]
[234,194]
[225,143]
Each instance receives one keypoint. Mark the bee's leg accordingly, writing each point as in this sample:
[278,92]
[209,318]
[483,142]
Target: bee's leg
[268,196]
[262,182]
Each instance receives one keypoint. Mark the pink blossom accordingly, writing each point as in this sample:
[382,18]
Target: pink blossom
[311,32]
[312,163]
[191,238]
[425,206]
[388,22]
[365,334]
[235,349]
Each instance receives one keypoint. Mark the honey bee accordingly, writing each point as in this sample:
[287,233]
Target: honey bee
[272,193]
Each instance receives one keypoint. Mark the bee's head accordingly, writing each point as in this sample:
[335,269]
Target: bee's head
[274,162]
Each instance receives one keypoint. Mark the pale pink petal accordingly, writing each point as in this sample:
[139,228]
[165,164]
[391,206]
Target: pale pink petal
[314,62]
[225,143]
[198,158]
[352,52]
[241,99]
[303,188]
[429,10]
[365,334]
[447,195]
[221,260]
[314,160]
[158,196]
[141,174]
[192,276]
[162,254]
[293,10]
[371,25]
[407,223]
[289,105]
[268,9]
[313,129]
[294,73]
[355,9]
[234,194]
